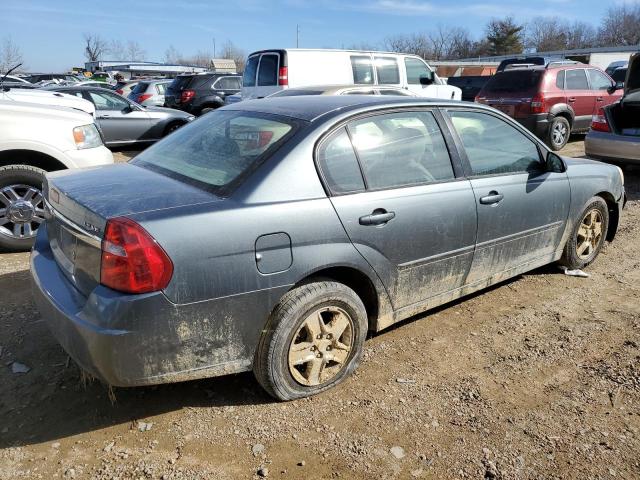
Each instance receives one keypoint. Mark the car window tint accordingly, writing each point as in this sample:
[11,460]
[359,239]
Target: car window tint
[577,80]
[388,91]
[619,75]
[160,88]
[362,69]
[358,92]
[387,70]
[249,75]
[268,71]
[493,146]
[219,148]
[416,69]
[108,101]
[401,149]
[560,80]
[599,81]
[339,164]
[140,87]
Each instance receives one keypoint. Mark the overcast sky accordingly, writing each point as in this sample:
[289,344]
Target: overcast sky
[49,32]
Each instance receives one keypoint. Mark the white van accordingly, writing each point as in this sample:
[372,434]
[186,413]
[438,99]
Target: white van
[268,71]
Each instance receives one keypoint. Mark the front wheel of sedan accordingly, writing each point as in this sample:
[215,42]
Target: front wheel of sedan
[21,206]
[559,132]
[312,341]
[588,235]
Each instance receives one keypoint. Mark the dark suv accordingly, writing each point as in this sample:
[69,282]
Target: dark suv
[552,101]
[202,92]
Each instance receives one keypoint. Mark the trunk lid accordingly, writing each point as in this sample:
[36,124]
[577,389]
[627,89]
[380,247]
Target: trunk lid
[79,203]
[512,91]
[632,82]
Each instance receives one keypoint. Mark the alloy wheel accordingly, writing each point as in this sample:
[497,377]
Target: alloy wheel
[321,347]
[21,211]
[589,234]
[559,133]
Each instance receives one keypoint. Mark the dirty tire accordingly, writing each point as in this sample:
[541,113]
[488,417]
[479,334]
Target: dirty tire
[571,257]
[172,127]
[206,110]
[558,133]
[18,175]
[296,308]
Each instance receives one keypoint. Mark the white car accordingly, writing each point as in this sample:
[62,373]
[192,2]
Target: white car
[36,139]
[14,79]
[44,97]
[269,71]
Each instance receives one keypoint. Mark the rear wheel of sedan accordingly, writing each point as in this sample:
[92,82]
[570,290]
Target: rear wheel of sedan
[312,341]
[21,206]
[558,134]
[588,235]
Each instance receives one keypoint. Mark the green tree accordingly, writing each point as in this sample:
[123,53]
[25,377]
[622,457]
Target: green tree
[504,36]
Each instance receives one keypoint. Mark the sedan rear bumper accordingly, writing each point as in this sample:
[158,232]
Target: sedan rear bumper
[131,340]
[609,146]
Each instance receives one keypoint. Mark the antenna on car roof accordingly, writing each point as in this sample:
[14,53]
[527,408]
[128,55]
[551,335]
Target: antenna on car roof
[6,74]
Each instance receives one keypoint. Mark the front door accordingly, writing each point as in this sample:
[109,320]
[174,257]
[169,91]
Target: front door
[580,97]
[119,121]
[602,86]
[401,204]
[522,208]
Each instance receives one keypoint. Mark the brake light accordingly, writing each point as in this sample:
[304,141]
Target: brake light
[264,138]
[144,96]
[599,122]
[537,104]
[283,76]
[132,260]
[187,96]
[119,91]
[480,99]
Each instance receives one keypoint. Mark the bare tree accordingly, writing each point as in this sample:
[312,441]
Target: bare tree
[94,47]
[544,34]
[171,55]
[581,35]
[115,49]
[620,26]
[10,55]
[134,51]
[414,43]
[231,52]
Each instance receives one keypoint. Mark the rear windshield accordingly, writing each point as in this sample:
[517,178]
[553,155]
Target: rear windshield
[179,83]
[515,81]
[140,87]
[249,77]
[217,151]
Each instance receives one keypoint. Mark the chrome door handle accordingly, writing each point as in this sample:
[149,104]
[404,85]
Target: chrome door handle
[491,199]
[378,217]
[572,99]
[599,99]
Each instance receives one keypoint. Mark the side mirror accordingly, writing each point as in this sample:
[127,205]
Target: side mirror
[426,80]
[127,109]
[616,86]
[555,164]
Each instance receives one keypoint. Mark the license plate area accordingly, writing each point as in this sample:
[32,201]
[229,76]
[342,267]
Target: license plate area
[63,245]
[508,109]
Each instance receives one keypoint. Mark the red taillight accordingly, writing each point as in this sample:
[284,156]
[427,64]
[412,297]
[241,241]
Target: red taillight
[480,99]
[599,122]
[283,76]
[132,261]
[187,96]
[119,91]
[265,138]
[144,96]
[537,104]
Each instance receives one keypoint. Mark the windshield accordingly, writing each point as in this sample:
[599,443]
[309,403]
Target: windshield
[218,150]
[515,81]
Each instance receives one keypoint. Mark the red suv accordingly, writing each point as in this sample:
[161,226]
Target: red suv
[552,101]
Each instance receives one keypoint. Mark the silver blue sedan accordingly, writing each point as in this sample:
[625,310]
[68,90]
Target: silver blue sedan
[272,235]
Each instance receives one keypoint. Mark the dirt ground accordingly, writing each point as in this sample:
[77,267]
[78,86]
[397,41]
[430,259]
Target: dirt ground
[537,378]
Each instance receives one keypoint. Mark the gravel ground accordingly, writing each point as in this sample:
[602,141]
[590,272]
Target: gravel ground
[537,378]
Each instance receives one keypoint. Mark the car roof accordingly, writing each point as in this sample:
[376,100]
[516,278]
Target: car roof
[312,107]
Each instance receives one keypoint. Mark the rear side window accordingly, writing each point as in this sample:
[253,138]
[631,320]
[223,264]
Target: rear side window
[227,83]
[140,87]
[362,69]
[387,70]
[560,80]
[339,164]
[219,150]
[416,69]
[161,88]
[514,81]
[577,80]
[249,76]
[401,149]
[268,71]
[493,146]
[599,81]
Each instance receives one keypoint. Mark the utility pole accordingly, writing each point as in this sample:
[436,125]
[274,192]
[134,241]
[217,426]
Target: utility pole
[214,47]
[297,35]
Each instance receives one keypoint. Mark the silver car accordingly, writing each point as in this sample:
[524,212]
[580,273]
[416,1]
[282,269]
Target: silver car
[272,235]
[615,130]
[124,122]
[149,93]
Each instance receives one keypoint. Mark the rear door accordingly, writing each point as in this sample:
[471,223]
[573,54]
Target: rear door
[580,97]
[522,208]
[261,75]
[405,210]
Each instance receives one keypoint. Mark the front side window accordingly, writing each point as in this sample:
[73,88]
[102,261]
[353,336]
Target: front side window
[599,81]
[577,80]
[218,150]
[493,146]
[401,149]
[339,164]
[268,71]
[250,69]
[362,69]
[108,101]
[387,70]
[416,69]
